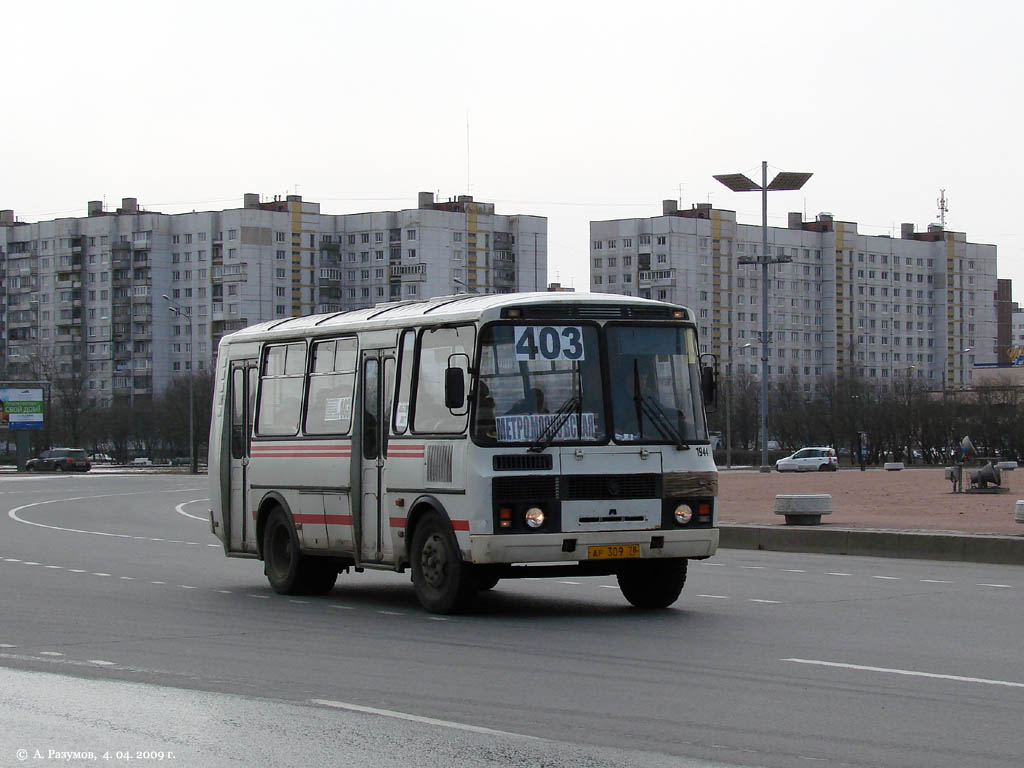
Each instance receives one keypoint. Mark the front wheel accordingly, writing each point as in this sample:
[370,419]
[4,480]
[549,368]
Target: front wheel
[443,583]
[653,584]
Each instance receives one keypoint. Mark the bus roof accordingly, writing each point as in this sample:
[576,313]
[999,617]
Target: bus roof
[458,308]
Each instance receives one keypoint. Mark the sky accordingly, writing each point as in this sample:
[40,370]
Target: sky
[573,111]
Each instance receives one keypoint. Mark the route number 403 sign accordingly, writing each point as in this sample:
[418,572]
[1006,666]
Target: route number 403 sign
[549,342]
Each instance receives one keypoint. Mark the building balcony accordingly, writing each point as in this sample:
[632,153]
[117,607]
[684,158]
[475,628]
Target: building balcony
[657,277]
[410,272]
[68,322]
[117,262]
[141,245]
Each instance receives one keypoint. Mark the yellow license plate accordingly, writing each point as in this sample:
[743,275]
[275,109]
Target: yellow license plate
[613,551]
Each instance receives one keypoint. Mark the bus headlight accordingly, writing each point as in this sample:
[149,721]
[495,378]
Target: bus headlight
[534,517]
[683,514]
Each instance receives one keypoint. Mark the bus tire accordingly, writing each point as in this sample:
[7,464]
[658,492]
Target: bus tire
[287,570]
[653,584]
[442,582]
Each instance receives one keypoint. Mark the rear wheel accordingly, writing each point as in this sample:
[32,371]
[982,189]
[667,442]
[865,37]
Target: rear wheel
[443,583]
[824,468]
[288,571]
[653,584]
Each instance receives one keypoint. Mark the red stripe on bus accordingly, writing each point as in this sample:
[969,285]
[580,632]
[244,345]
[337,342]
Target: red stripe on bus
[338,519]
[404,455]
[397,522]
[302,454]
[460,525]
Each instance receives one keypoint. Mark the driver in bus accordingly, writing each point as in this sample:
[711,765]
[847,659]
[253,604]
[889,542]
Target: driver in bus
[532,403]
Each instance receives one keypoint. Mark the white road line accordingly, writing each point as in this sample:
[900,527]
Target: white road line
[7,645]
[907,672]
[936,581]
[29,563]
[13,514]
[836,573]
[224,591]
[771,602]
[101,574]
[573,583]
[299,602]
[11,560]
[50,653]
[55,566]
[158,582]
[793,570]
[76,570]
[261,597]
[753,567]
[608,586]
[102,663]
[418,719]
[180,509]
[887,578]
[391,613]
[997,586]
[715,597]
[342,607]
[186,586]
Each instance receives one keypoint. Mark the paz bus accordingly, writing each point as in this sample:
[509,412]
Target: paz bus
[469,439]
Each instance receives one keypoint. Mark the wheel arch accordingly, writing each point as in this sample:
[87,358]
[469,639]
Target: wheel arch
[271,500]
[420,508]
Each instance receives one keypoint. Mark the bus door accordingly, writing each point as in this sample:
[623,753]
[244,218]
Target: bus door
[244,377]
[378,375]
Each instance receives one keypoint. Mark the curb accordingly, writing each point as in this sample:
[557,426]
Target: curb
[867,542]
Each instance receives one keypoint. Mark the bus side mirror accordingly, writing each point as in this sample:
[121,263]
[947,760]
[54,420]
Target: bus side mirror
[454,388]
[709,388]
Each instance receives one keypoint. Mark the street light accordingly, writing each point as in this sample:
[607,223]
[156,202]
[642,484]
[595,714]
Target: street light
[177,310]
[784,181]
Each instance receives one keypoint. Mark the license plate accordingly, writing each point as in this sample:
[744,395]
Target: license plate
[613,551]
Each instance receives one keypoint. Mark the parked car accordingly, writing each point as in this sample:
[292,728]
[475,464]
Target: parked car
[141,461]
[60,460]
[101,458]
[809,460]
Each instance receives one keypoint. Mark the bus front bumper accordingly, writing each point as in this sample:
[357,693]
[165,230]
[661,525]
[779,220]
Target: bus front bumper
[575,547]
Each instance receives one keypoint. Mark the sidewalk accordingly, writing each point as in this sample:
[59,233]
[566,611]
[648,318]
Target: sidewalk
[911,513]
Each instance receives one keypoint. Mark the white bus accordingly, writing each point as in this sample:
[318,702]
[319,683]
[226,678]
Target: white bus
[470,438]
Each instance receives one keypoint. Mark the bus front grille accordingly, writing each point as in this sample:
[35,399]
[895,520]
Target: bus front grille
[583,487]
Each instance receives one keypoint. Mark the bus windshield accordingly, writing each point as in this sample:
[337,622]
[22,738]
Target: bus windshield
[540,384]
[656,395]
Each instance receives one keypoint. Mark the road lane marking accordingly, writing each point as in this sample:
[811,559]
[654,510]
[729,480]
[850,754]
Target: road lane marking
[773,602]
[102,663]
[180,509]
[887,578]
[50,653]
[936,581]
[342,607]
[753,567]
[715,597]
[907,672]
[608,586]
[997,586]
[418,719]
[573,583]
[836,573]
[13,514]
[793,570]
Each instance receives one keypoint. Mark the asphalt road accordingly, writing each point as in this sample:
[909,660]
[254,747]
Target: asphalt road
[125,629]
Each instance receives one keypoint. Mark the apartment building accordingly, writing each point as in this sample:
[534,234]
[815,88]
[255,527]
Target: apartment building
[85,296]
[842,303]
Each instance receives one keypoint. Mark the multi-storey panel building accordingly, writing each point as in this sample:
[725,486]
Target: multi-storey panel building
[842,304]
[85,296]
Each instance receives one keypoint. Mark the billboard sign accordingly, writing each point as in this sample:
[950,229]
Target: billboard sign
[21,408]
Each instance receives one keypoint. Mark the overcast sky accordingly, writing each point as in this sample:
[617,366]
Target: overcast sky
[576,111]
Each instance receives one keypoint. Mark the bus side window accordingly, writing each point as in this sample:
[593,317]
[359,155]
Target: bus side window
[237,413]
[281,389]
[438,346]
[405,360]
[331,381]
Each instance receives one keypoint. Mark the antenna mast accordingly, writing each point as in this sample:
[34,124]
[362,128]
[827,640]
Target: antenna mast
[943,204]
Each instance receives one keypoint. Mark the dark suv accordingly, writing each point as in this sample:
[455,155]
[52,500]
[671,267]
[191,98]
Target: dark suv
[60,460]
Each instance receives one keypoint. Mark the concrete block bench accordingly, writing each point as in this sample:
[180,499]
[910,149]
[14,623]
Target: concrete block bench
[803,509]
[1003,465]
[893,466]
[1019,514]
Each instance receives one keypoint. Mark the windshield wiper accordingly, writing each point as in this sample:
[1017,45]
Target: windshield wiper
[545,438]
[649,407]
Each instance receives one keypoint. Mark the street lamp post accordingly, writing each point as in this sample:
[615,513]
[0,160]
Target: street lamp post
[783,181]
[177,310]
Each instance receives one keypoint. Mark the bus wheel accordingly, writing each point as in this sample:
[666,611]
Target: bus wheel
[281,554]
[653,583]
[443,583]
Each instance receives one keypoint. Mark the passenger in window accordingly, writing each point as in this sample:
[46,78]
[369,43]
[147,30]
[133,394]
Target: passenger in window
[485,423]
